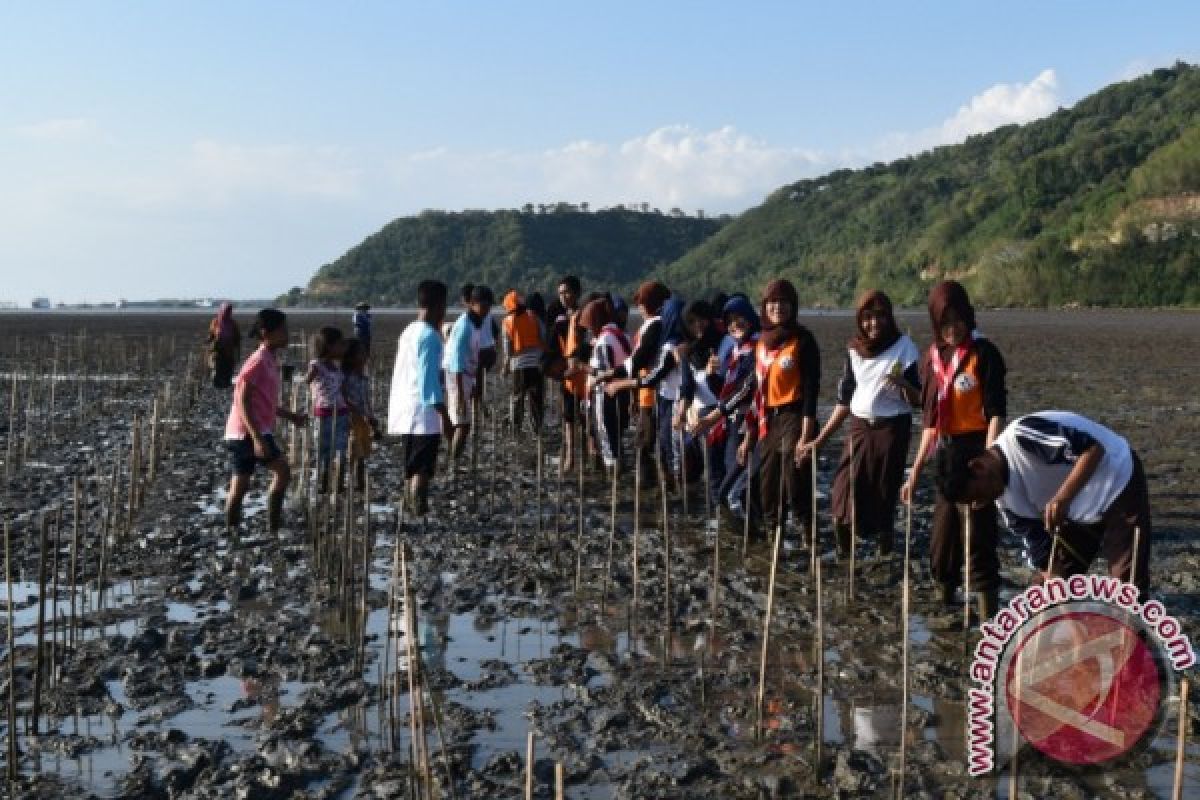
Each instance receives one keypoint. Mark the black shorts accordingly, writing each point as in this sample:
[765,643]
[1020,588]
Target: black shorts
[526,379]
[420,454]
[241,454]
[570,403]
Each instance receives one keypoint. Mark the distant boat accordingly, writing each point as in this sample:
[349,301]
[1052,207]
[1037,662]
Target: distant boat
[40,302]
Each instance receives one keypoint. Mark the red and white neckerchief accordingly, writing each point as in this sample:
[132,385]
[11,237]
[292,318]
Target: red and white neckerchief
[763,359]
[620,342]
[943,376]
[729,386]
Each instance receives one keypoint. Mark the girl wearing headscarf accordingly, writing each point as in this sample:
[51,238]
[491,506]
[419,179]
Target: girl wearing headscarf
[224,343]
[649,298]
[726,424]
[787,373]
[701,385]
[610,347]
[878,385]
[964,400]
[523,336]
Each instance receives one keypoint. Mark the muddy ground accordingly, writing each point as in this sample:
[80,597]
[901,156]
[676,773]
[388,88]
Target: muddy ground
[218,666]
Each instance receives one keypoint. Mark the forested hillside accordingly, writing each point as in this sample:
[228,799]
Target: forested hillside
[1097,204]
[528,249]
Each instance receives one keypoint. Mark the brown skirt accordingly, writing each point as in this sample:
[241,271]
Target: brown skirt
[880,451]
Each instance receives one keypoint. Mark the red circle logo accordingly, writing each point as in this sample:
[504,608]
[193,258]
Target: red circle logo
[1083,687]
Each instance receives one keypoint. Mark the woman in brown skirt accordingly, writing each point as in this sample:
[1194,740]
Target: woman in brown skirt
[878,386]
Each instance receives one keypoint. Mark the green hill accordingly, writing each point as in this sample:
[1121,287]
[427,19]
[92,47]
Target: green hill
[1097,204]
[527,249]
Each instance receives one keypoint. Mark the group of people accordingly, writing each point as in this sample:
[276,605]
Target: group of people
[723,391]
[339,388]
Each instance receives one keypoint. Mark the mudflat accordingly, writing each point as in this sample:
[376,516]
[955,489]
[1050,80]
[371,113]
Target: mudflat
[205,664]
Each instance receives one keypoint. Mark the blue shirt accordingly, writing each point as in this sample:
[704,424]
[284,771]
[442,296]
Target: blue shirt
[462,347]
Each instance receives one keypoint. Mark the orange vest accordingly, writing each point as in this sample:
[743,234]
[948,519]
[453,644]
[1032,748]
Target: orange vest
[779,373]
[523,331]
[966,400]
[646,396]
[575,384]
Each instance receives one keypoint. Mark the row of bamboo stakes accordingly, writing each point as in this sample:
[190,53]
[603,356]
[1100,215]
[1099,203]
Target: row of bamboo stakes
[347,569]
[133,471]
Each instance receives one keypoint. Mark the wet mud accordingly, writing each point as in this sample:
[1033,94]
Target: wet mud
[186,661]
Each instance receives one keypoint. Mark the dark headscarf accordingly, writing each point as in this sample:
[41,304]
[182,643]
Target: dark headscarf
[672,321]
[862,345]
[651,295]
[775,335]
[740,304]
[949,294]
[710,340]
[596,315]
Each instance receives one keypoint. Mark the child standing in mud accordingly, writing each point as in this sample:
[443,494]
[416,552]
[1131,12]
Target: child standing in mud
[249,428]
[417,406]
[964,400]
[325,385]
[610,347]
[363,424]
[464,370]
[523,337]
[879,383]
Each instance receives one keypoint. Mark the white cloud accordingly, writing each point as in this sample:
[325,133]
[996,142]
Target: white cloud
[675,165]
[57,129]
[1002,104]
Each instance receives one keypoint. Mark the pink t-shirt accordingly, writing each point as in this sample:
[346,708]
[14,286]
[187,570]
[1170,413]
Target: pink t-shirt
[262,371]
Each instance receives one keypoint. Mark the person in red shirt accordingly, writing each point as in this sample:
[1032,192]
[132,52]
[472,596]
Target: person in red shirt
[249,428]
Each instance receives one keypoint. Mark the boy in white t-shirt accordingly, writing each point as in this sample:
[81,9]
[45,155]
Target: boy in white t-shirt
[1059,475]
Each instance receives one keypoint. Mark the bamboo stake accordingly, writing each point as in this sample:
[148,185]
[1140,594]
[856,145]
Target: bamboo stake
[520,504]
[365,585]
[133,471]
[1014,763]
[853,518]
[74,582]
[39,662]
[416,701]
[54,595]
[558,781]
[666,529]
[746,504]
[1181,739]
[538,482]
[708,511]
[820,640]
[475,414]
[683,481]
[9,440]
[582,434]
[495,456]
[637,531]
[154,441]
[904,612]
[12,659]
[437,729]
[966,512]
[1137,538]
[529,767]
[612,538]
[716,574]
[766,636]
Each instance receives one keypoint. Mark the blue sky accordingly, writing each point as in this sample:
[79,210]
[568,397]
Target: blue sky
[231,148]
